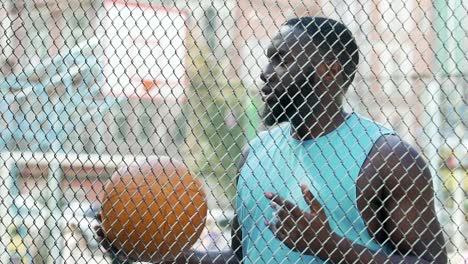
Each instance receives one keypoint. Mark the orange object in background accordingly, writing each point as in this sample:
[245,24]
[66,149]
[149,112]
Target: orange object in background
[150,84]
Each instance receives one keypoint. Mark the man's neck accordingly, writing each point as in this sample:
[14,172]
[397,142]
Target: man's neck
[317,125]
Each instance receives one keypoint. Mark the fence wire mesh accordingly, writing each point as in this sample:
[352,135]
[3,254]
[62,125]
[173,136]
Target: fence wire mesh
[249,131]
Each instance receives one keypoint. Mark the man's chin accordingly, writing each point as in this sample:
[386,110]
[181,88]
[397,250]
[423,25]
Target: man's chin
[273,116]
[269,121]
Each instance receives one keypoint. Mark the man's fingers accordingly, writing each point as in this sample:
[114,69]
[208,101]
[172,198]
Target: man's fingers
[108,247]
[99,217]
[99,231]
[100,234]
[106,244]
[308,197]
[101,237]
[314,205]
[283,216]
[277,230]
[291,208]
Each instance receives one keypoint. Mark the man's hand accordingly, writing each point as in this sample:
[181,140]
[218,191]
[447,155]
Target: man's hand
[107,245]
[304,232]
[114,252]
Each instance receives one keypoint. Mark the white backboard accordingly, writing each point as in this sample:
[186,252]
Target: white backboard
[145,52]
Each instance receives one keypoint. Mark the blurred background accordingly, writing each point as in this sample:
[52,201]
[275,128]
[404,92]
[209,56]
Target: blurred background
[88,86]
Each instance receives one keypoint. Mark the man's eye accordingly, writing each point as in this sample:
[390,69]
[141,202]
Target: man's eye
[287,61]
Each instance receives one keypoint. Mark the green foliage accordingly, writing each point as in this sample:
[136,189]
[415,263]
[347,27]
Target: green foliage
[214,116]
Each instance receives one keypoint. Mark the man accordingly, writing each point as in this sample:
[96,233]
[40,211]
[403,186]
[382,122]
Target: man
[325,185]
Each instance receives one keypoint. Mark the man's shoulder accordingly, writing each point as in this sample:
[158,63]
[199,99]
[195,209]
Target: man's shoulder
[397,162]
[393,145]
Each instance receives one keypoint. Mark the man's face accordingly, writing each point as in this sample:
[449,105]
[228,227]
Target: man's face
[290,76]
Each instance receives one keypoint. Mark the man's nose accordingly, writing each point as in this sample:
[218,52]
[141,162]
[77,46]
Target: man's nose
[263,77]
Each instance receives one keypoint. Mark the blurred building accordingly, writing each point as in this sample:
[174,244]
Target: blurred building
[412,73]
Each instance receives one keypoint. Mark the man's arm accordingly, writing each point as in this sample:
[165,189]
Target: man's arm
[410,223]
[236,241]
[234,255]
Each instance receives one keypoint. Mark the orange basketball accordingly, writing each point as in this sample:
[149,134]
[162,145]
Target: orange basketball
[153,208]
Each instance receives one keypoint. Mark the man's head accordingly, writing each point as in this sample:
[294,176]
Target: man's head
[312,62]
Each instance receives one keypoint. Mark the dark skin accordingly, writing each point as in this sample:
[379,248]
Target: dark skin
[395,199]
[394,187]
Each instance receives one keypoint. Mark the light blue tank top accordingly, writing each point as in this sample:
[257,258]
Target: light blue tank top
[329,165]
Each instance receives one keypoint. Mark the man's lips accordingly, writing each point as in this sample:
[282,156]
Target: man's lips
[267,93]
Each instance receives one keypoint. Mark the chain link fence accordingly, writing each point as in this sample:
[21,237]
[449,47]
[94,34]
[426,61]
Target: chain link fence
[362,102]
